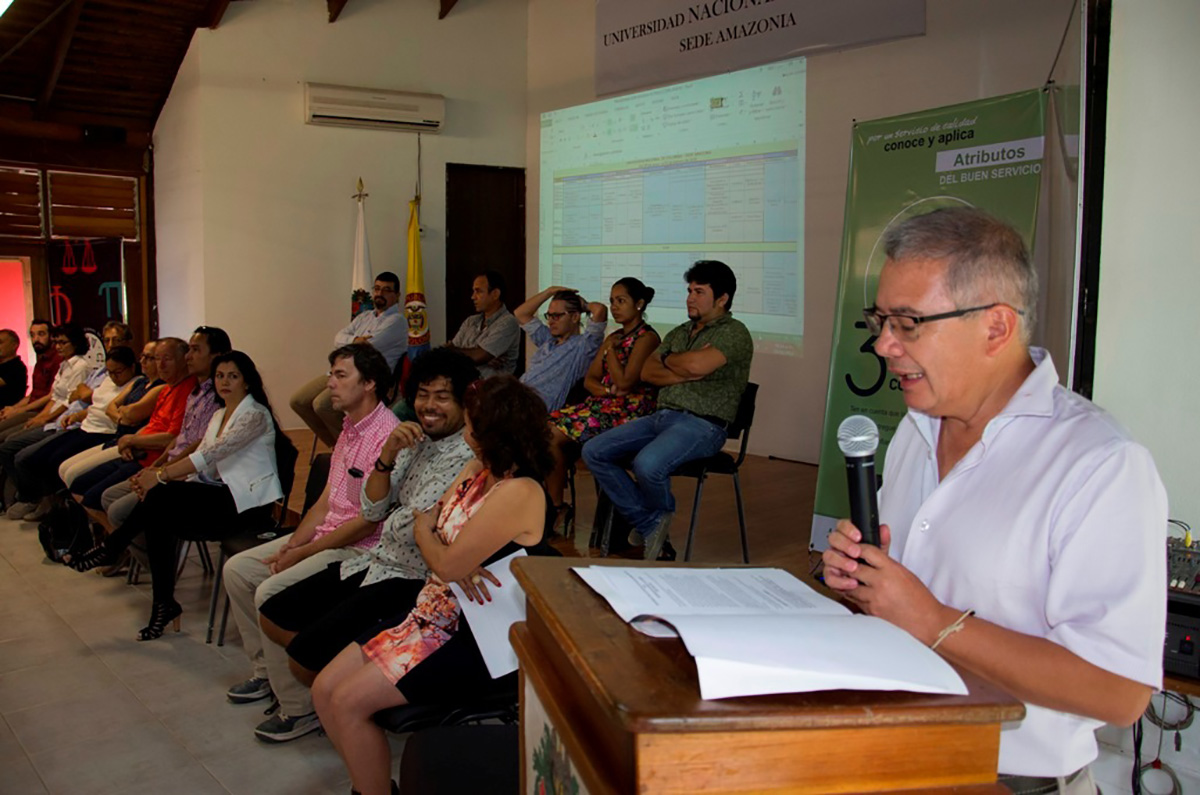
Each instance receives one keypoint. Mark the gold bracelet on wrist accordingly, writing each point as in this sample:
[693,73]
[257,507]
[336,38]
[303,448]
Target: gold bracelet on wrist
[160,475]
[956,626]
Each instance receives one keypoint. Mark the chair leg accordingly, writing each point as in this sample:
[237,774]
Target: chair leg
[224,622]
[687,552]
[185,549]
[205,557]
[606,533]
[737,490]
[574,501]
[216,594]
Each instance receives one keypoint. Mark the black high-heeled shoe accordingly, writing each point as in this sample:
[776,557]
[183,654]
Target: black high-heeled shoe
[160,615]
[96,556]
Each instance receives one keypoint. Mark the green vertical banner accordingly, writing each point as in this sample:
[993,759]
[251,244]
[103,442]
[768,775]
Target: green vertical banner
[986,154]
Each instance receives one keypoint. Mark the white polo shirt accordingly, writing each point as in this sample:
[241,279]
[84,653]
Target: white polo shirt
[1053,525]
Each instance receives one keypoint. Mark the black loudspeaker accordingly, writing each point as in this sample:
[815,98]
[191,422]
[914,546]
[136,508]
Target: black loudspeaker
[103,134]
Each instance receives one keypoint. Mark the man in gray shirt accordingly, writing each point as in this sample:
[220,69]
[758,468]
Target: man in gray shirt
[492,338]
[319,616]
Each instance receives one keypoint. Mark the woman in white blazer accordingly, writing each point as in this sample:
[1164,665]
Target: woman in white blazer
[203,497]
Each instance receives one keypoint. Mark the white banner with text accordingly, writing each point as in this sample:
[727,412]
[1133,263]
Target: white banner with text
[653,42]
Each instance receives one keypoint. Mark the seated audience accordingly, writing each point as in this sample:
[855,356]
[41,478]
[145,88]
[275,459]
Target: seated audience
[616,391]
[72,345]
[315,618]
[701,369]
[562,354]
[135,451]
[45,368]
[207,342]
[491,338]
[331,531]
[231,476]
[130,410]
[36,467]
[384,328]
[14,376]
[114,334]
[494,507]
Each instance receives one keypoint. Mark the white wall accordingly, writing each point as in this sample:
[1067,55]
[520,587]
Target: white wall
[970,50]
[255,217]
[178,203]
[1146,372]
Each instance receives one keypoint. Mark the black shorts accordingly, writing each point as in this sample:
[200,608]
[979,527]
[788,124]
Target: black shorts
[329,613]
[454,674]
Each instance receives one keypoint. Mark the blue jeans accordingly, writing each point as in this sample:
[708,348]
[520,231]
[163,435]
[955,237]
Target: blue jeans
[658,444]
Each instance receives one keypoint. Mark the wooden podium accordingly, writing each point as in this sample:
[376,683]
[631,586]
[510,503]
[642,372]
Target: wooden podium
[605,709]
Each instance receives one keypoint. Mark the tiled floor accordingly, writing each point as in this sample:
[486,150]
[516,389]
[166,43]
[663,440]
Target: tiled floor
[84,708]
[87,710]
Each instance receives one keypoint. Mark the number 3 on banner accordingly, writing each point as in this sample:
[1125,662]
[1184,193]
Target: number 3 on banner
[868,347]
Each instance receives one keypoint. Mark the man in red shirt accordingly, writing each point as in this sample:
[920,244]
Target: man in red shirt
[14,417]
[139,450]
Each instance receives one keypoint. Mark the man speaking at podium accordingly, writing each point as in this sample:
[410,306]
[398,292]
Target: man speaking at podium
[1023,531]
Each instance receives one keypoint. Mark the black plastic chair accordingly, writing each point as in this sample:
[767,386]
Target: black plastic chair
[254,532]
[501,705]
[721,464]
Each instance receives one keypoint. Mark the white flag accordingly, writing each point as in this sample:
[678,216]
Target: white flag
[362,278]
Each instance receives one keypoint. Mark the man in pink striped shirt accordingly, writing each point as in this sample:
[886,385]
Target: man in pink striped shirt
[332,531]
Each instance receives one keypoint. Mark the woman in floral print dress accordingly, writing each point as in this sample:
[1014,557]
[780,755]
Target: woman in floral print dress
[616,390]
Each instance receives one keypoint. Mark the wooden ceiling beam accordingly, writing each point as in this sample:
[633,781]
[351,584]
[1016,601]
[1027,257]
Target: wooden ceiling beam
[446,5]
[60,53]
[214,13]
[335,8]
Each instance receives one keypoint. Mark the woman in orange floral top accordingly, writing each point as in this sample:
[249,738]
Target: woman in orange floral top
[495,506]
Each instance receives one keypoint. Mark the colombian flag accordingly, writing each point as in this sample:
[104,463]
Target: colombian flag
[414,300]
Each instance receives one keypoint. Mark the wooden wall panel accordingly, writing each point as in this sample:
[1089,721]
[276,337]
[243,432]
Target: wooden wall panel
[21,203]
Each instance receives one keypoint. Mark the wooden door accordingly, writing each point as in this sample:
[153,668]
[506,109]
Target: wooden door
[485,230]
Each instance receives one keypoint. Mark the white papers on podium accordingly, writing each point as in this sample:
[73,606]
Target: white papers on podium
[759,631]
[491,621]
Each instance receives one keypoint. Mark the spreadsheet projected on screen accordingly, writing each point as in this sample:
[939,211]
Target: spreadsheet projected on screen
[646,184]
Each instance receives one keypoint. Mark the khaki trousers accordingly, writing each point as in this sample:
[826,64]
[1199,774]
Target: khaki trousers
[311,402]
[83,462]
[249,583]
[118,502]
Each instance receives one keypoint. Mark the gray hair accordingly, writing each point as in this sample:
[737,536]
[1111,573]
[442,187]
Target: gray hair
[181,346]
[986,259]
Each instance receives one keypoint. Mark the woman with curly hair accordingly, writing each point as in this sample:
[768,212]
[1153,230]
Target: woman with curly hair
[495,507]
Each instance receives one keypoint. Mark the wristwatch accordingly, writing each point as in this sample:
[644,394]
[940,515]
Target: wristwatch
[382,467]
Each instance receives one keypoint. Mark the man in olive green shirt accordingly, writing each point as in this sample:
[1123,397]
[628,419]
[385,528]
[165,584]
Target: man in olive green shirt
[701,367]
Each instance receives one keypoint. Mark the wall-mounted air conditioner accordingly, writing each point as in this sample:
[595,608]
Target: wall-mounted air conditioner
[376,108]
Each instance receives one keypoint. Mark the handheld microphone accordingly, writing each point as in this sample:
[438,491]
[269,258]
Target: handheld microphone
[858,438]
